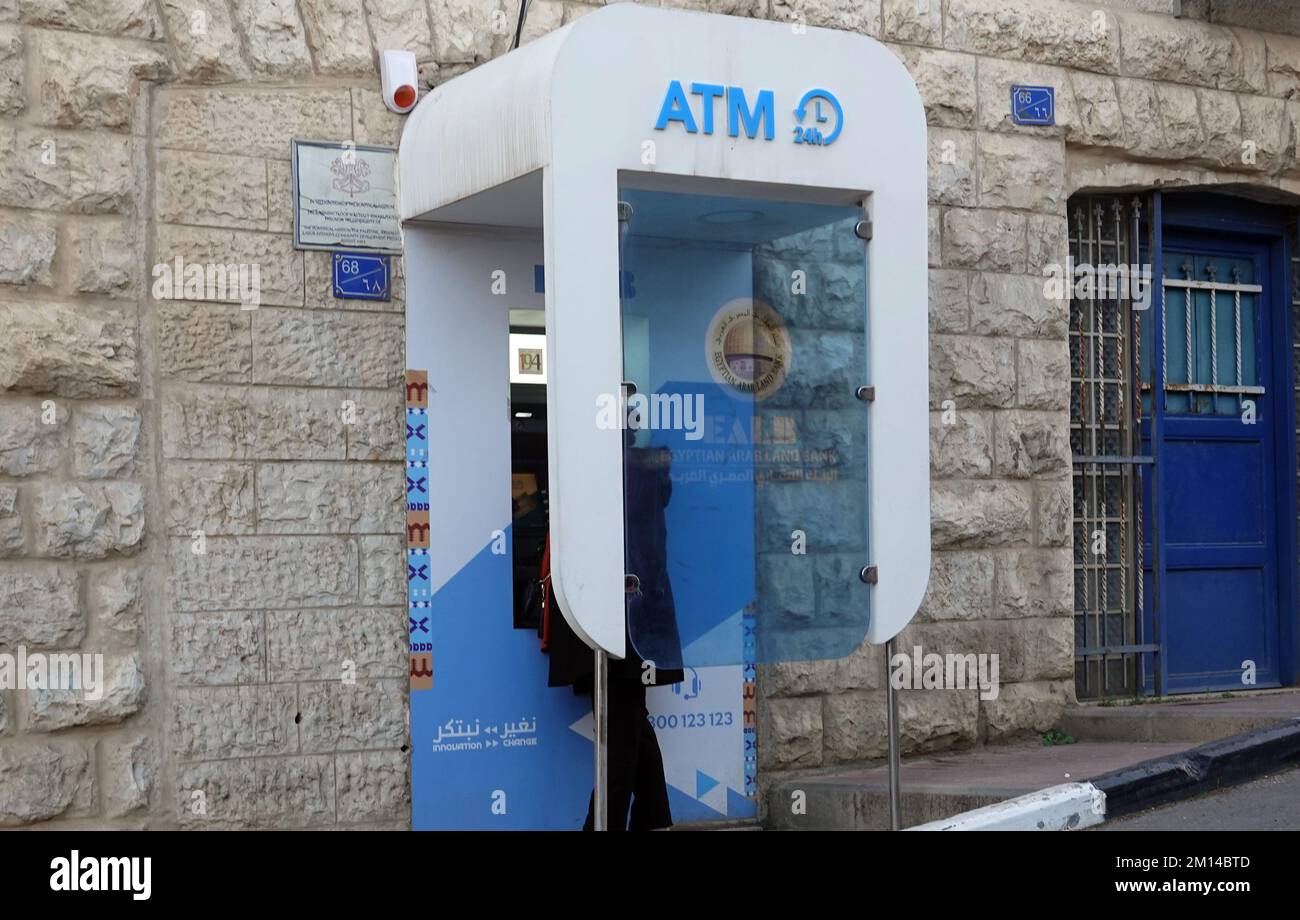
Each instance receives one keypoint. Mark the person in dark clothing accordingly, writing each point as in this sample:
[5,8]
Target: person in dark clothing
[636,770]
[636,766]
[651,611]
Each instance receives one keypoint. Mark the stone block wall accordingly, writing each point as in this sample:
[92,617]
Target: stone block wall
[810,466]
[1143,100]
[210,495]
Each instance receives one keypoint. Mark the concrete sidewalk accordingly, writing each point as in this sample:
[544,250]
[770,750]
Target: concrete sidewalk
[1108,739]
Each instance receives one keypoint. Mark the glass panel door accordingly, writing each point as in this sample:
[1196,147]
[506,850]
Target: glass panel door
[744,336]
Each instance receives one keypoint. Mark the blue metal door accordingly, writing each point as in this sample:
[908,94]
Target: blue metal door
[1217,450]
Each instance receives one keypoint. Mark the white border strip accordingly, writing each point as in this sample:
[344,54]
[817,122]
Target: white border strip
[1067,807]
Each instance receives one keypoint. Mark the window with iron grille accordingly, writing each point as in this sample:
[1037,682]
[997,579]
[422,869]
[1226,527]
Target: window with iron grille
[1110,280]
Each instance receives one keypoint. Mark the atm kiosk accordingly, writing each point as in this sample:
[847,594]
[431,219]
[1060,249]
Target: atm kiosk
[722,225]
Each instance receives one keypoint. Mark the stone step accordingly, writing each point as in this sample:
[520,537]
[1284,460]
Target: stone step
[744,824]
[1182,719]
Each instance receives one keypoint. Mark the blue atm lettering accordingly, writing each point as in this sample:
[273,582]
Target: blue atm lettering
[739,113]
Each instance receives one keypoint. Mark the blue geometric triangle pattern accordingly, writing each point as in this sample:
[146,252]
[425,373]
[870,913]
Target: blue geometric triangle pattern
[703,783]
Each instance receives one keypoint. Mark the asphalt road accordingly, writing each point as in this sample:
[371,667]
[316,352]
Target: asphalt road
[1268,804]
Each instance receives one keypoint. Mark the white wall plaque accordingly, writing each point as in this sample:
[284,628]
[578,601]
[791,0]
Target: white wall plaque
[345,197]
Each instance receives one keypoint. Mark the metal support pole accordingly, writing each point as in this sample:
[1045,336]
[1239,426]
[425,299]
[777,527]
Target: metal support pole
[891,720]
[600,709]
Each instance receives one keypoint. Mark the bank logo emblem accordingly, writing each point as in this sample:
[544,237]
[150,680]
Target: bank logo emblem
[350,175]
[748,347]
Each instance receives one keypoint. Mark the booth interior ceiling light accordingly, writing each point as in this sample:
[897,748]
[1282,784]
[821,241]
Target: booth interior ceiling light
[730,217]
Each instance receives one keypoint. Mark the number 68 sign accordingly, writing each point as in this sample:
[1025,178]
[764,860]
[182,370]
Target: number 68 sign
[362,276]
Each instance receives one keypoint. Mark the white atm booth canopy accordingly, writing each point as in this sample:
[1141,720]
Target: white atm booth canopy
[551,137]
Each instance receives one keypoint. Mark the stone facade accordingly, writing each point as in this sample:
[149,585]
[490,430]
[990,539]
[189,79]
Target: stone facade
[192,487]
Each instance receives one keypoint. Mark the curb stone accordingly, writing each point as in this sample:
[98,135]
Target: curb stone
[1073,806]
[1209,766]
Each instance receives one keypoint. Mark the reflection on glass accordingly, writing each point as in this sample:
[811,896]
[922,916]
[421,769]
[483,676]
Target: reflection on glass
[744,330]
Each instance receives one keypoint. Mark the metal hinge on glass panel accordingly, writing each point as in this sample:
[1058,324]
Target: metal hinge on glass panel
[862,229]
[627,389]
[631,584]
[624,211]
[865,393]
[870,574]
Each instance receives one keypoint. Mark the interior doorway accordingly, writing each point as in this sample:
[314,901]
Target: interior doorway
[529,482]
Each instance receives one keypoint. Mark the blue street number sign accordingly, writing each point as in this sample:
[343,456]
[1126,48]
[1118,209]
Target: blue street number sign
[361,276]
[1033,105]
